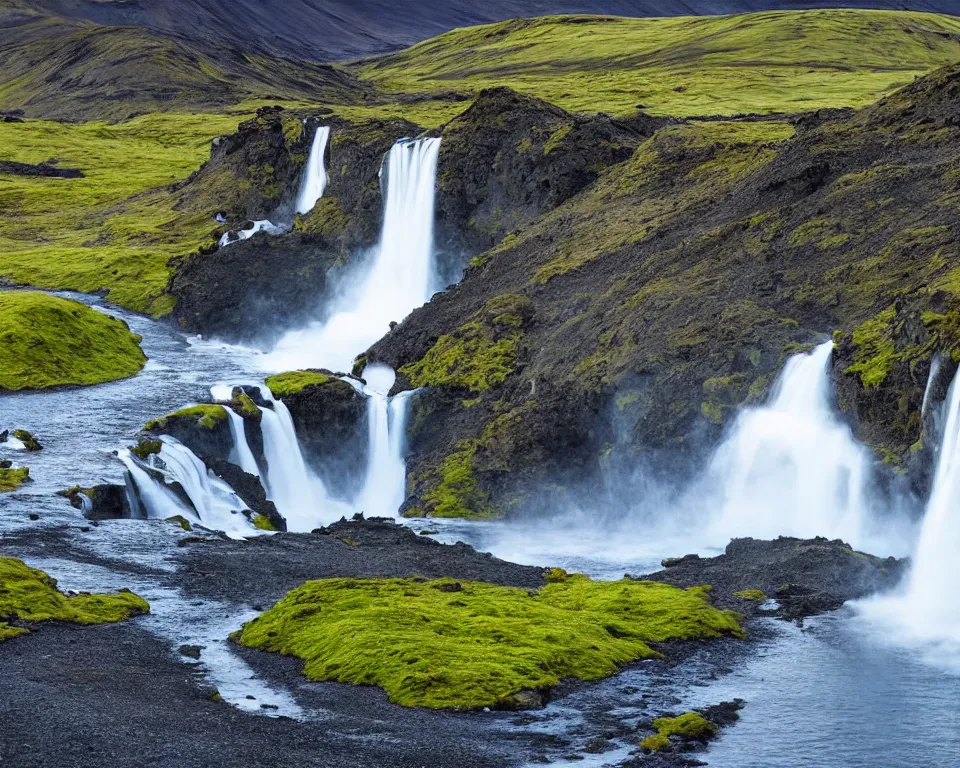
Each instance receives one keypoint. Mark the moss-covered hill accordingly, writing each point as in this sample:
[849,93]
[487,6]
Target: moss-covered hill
[636,315]
[785,61]
[29,596]
[471,645]
[46,341]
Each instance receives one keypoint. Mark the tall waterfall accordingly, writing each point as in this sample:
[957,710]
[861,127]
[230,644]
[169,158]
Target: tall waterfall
[298,493]
[215,505]
[314,179]
[399,278]
[791,467]
[384,487]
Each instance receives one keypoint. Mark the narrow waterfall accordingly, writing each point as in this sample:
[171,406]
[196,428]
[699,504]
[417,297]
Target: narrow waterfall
[314,179]
[241,455]
[931,603]
[931,378]
[791,467]
[263,225]
[299,494]
[399,278]
[384,487]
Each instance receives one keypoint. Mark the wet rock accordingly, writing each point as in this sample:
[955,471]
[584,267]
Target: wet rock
[28,440]
[673,562]
[6,464]
[190,651]
[523,700]
[103,502]
[249,488]
[40,169]
[806,576]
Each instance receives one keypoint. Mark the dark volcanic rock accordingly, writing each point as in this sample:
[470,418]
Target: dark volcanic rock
[41,169]
[331,423]
[806,577]
[249,488]
[105,502]
[509,158]
[264,569]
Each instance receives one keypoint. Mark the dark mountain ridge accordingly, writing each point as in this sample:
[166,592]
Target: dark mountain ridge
[330,30]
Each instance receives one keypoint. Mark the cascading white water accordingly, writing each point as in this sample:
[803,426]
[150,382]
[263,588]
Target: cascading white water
[215,502]
[241,455]
[263,225]
[384,487]
[314,179]
[298,493]
[400,277]
[926,610]
[931,378]
[791,467]
[153,498]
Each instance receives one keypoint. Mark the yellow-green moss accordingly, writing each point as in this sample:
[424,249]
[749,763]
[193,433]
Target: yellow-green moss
[206,416]
[457,492]
[469,644]
[262,522]
[327,219]
[479,354]
[46,341]
[284,384]
[751,594]
[690,726]
[13,478]
[30,595]
[875,354]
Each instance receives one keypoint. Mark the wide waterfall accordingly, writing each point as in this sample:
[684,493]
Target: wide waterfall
[791,467]
[399,278]
[314,179]
[214,503]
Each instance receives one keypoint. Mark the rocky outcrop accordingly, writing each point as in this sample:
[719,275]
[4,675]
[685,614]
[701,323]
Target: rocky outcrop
[254,289]
[40,169]
[330,417]
[805,577]
[100,502]
[510,158]
[671,290]
[249,488]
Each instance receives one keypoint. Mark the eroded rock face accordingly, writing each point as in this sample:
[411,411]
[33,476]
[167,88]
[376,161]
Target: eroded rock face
[249,488]
[255,289]
[331,423]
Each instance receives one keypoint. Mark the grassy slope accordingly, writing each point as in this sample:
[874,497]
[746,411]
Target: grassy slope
[47,341]
[432,644]
[29,595]
[766,62]
[114,230]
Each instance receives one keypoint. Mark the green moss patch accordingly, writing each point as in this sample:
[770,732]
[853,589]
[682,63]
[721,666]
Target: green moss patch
[468,644]
[285,384]
[690,726]
[46,341]
[29,595]
[751,594]
[206,416]
[13,478]
[479,354]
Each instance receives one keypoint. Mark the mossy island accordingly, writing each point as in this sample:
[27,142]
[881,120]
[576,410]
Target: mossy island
[47,341]
[468,645]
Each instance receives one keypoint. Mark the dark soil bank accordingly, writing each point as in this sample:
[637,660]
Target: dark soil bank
[119,695]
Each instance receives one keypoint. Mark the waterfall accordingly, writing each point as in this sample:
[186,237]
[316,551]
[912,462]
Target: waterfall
[314,179]
[262,225]
[384,487]
[931,378]
[400,277]
[241,455]
[933,588]
[298,493]
[155,500]
[791,467]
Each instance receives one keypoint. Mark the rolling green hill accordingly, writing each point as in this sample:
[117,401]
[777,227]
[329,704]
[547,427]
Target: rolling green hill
[688,66]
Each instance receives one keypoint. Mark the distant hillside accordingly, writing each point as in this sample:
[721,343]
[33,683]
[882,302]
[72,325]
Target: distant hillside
[327,30]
